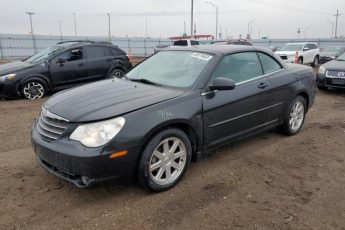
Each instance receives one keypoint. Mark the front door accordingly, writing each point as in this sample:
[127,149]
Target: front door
[232,114]
[68,68]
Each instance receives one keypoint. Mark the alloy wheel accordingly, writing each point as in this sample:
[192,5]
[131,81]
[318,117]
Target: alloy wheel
[296,116]
[168,161]
[33,90]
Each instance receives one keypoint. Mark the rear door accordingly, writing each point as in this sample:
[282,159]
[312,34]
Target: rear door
[68,68]
[232,114]
[99,61]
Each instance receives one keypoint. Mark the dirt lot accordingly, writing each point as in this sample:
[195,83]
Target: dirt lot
[267,182]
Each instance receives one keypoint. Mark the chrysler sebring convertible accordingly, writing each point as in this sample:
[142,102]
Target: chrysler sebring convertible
[167,112]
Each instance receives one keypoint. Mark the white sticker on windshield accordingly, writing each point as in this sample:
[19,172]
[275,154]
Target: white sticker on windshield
[202,56]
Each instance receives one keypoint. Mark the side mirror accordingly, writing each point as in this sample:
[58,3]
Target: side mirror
[305,49]
[222,83]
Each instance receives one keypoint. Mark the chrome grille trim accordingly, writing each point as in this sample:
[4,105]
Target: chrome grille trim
[51,126]
[335,74]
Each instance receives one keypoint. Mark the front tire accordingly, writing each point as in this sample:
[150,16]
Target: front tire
[294,119]
[165,160]
[34,89]
[300,60]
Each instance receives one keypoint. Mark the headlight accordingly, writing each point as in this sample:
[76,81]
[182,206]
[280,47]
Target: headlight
[7,77]
[99,133]
[322,70]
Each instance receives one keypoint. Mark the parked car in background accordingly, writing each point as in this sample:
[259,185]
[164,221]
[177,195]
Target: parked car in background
[61,66]
[170,109]
[330,53]
[308,53]
[233,42]
[332,74]
[179,43]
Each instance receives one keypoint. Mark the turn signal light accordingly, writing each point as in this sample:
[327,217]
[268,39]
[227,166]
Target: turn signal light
[118,154]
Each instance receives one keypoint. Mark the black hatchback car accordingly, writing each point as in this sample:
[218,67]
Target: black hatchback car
[167,111]
[332,74]
[64,65]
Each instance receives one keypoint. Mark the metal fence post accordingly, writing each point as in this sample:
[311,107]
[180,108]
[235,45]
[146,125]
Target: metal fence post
[1,52]
[145,46]
[34,41]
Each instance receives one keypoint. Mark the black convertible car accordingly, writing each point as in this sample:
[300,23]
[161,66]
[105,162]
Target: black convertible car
[62,66]
[168,111]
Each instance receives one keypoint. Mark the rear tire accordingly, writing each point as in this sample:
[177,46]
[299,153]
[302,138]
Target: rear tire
[116,73]
[165,160]
[295,116]
[34,89]
[316,61]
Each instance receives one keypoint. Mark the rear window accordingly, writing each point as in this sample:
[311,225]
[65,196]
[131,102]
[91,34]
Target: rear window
[98,51]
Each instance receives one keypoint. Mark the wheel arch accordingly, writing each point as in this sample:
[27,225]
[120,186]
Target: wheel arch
[39,77]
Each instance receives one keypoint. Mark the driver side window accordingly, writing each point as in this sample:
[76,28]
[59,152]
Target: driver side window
[72,55]
[239,67]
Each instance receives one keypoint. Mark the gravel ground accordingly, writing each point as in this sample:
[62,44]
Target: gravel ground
[267,182]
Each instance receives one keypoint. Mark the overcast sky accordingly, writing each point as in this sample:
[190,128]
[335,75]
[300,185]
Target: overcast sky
[274,18]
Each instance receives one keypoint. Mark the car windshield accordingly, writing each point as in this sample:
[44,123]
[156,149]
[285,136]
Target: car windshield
[332,49]
[291,47]
[341,57]
[43,54]
[171,68]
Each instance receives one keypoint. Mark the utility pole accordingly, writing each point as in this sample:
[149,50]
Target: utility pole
[331,23]
[336,23]
[216,7]
[305,31]
[32,30]
[75,26]
[249,30]
[60,31]
[191,19]
[109,35]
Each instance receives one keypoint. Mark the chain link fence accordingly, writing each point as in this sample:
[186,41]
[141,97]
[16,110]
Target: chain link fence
[18,46]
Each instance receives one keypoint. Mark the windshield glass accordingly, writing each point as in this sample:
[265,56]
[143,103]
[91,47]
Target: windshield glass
[43,54]
[172,68]
[291,47]
[341,57]
[332,49]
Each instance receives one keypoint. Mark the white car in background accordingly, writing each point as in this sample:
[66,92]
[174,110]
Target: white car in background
[308,53]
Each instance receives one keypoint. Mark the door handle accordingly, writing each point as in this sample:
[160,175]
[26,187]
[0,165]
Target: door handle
[81,64]
[263,85]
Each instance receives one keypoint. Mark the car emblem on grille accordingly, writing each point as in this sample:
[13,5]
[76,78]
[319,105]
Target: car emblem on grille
[46,113]
[341,74]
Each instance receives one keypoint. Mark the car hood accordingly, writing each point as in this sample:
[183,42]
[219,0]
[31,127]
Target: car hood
[107,99]
[335,65]
[12,67]
[328,54]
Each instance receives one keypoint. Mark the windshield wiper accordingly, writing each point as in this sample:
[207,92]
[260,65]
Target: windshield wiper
[145,81]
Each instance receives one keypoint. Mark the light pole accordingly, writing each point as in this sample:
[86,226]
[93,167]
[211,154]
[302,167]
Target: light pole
[191,19]
[32,30]
[332,23]
[75,26]
[249,23]
[306,31]
[60,30]
[336,23]
[109,35]
[216,7]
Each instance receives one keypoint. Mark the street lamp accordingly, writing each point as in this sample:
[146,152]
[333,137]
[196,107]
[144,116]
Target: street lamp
[32,30]
[249,23]
[75,26]
[306,31]
[216,7]
[60,30]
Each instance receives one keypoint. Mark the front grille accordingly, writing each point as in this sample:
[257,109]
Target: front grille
[335,73]
[51,126]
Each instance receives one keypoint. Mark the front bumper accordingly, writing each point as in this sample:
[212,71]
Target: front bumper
[9,89]
[322,80]
[83,166]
